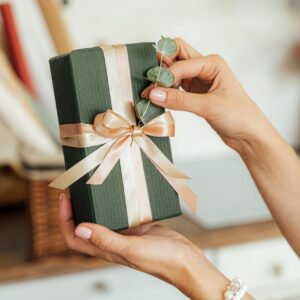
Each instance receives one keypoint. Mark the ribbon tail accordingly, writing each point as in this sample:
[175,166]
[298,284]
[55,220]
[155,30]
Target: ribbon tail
[183,190]
[174,177]
[80,135]
[84,140]
[109,161]
[80,169]
[158,158]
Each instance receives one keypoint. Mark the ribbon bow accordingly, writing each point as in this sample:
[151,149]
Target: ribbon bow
[115,133]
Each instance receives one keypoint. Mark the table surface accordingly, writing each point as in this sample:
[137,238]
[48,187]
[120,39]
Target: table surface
[14,265]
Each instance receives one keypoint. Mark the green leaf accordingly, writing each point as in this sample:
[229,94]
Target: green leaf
[145,111]
[161,75]
[166,46]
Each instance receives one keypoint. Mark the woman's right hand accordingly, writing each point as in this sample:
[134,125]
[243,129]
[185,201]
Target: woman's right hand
[211,90]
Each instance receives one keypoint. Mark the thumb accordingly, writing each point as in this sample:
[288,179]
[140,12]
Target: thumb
[102,237]
[180,100]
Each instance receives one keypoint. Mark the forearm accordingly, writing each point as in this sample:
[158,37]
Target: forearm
[275,169]
[200,280]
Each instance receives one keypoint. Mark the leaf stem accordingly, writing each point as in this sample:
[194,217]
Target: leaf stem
[159,71]
[155,84]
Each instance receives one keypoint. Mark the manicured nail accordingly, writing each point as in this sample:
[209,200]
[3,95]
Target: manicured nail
[158,95]
[61,197]
[83,232]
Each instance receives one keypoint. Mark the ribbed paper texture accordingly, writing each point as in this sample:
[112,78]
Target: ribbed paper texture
[81,92]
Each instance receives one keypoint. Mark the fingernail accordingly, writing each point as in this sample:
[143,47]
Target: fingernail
[158,95]
[83,232]
[61,197]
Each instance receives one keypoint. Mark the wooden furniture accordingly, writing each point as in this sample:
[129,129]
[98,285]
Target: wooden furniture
[247,250]
[269,267]
[15,268]
[13,189]
[45,236]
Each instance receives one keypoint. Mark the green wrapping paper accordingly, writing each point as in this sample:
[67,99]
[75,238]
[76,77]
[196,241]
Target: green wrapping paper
[82,91]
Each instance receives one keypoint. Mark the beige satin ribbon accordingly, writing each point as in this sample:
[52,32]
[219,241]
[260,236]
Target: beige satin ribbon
[132,169]
[115,133]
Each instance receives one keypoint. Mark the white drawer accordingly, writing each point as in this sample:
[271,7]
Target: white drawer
[261,264]
[112,283]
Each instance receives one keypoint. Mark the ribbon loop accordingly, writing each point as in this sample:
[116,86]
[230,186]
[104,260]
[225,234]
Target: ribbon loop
[114,132]
[111,124]
[161,126]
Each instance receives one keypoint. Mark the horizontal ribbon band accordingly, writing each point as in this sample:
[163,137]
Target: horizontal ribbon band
[113,133]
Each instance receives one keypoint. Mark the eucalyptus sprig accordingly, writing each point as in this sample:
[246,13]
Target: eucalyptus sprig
[159,75]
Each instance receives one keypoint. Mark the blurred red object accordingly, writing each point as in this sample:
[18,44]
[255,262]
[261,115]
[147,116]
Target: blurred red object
[14,46]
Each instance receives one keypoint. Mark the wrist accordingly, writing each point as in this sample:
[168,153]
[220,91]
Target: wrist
[259,144]
[201,280]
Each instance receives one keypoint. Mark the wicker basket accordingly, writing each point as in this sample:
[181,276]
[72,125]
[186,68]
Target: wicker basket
[45,235]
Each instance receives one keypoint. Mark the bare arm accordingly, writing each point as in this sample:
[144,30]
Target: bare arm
[213,92]
[275,168]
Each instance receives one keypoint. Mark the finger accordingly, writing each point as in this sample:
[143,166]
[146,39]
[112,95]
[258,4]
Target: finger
[180,100]
[206,68]
[67,227]
[104,238]
[184,51]
[146,91]
[66,220]
[77,243]
[138,230]
[111,245]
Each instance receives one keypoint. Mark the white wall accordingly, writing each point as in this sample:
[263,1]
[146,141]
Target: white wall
[254,36]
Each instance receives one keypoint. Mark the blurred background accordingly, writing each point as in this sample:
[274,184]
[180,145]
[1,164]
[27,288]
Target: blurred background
[261,42]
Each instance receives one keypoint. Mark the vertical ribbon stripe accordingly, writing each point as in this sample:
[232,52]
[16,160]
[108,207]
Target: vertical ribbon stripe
[134,182]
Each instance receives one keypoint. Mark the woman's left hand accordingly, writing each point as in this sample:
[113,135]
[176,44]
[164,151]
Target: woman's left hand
[150,248]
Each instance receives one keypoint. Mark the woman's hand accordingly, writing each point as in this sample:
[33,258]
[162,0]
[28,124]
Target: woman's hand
[150,248]
[211,91]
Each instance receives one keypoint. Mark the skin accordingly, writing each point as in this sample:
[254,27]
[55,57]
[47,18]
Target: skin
[211,91]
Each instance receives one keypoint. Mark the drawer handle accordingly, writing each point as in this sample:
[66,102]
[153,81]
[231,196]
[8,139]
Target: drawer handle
[277,269]
[100,286]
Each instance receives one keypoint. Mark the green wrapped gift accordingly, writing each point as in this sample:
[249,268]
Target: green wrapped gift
[89,83]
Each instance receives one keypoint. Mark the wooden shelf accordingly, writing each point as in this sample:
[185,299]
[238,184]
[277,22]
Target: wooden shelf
[13,189]
[13,236]
[14,265]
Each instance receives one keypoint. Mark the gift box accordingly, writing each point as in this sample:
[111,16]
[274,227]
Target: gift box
[87,83]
